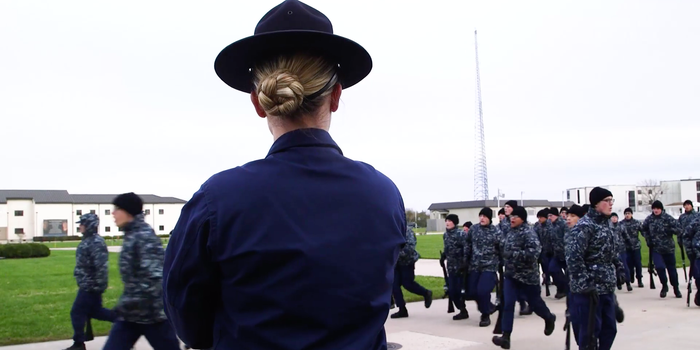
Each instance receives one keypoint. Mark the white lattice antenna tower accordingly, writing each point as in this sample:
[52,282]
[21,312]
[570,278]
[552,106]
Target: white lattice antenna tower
[481,179]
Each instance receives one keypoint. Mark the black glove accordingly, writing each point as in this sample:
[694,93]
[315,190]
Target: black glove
[621,279]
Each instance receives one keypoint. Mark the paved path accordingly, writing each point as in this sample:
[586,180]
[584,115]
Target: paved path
[650,323]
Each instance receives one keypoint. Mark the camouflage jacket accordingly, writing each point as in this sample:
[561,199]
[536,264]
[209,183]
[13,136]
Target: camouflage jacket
[141,268]
[92,263]
[543,234]
[659,231]
[557,236]
[453,241]
[591,255]
[691,238]
[408,255]
[521,252]
[631,230]
[504,227]
[620,237]
[685,220]
[482,248]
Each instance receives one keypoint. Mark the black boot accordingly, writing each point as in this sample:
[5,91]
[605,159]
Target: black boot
[549,324]
[629,286]
[631,279]
[428,299]
[403,312]
[664,290]
[525,309]
[76,346]
[462,315]
[559,295]
[640,284]
[502,341]
[677,292]
[485,321]
[697,298]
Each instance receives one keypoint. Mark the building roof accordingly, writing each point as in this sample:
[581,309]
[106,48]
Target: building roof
[493,204]
[62,197]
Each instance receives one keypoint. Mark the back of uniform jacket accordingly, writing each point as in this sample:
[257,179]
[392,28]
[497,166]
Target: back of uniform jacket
[295,251]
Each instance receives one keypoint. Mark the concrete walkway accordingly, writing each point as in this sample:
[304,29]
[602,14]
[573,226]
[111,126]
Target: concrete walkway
[650,323]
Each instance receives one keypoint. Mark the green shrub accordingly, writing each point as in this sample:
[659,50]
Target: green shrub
[24,250]
[56,238]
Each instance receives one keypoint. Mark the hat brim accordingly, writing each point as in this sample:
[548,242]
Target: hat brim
[235,62]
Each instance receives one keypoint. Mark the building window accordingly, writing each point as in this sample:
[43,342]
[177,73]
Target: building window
[121,229]
[697,186]
[78,212]
[19,212]
[77,229]
[92,212]
[161,211]
[148,211]
[19,231]
[650,191]
[568,195]
[639,191]
[107,212]
[698,197]
[578,196]
[108,229]
[161,228]
[630,199]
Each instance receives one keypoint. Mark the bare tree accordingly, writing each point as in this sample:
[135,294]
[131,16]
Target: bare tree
[651,190]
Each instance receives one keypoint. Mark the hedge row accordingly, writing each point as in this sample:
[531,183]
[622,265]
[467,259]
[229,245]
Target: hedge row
[24,250]
[76,238]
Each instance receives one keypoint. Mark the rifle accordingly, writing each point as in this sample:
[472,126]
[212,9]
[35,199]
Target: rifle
[690,289]
[592,339]
[545,277]
[651,269]
[685,272]
[450,304]
[567,324]
[497,329]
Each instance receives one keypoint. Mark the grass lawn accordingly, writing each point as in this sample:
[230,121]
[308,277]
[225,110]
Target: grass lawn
[73,244]
[36,296]
[429,247]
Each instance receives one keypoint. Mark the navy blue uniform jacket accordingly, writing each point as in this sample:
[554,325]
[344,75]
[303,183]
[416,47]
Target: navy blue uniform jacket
[294,251]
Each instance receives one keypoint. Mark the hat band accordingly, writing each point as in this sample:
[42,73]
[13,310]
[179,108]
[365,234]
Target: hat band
[323,89]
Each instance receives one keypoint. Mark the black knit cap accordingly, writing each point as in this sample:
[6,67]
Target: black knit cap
[467,224]
[597,195]
[688,202]
[613,214]
[564,209]
[657,205]
[487,212]
[585,208]
[511,203]
[454,218]
[501,211]
[542,213]
[628,210]
[576,210]
[129,202]
[554,211]
[520,212]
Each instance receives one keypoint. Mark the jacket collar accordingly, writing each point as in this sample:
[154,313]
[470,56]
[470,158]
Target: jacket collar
[310,137]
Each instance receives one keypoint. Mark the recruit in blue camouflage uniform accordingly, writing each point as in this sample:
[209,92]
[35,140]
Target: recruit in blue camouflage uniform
[408,255]
[521,252]
[685,220]
[592,255]
[620,237]
[556,234]
[91,257]
[659,231]
[141,268]
[482,248]
[454,242]
[544,235]
[630,233]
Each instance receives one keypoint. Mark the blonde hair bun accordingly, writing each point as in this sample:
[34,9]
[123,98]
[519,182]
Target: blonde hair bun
[281,93]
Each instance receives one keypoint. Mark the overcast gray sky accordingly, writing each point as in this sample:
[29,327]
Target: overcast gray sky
[101,97]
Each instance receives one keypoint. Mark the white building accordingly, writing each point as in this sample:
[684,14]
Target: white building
[469,210]
[639,197]
[36,213]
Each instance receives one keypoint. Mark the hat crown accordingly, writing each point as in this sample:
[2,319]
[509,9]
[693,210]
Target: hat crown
[293,15]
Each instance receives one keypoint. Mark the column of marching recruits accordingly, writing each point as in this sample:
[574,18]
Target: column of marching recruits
[585,251]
